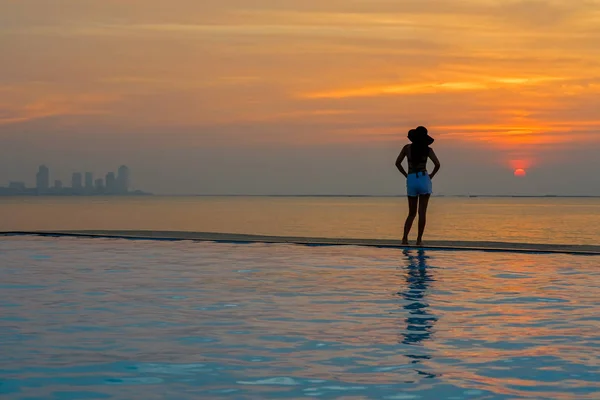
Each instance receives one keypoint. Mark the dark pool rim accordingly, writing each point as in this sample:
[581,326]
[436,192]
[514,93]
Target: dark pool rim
[238,238]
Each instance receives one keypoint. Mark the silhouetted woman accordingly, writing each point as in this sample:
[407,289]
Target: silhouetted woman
[418,181]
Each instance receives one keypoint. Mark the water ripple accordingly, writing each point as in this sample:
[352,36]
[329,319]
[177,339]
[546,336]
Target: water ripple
[183,320]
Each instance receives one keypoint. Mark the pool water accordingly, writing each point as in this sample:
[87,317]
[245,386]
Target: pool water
[100,318]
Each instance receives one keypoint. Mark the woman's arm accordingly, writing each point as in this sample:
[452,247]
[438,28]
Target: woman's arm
[399,160]
[436,163]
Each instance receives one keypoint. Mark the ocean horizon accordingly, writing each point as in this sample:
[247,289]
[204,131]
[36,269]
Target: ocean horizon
[544,220]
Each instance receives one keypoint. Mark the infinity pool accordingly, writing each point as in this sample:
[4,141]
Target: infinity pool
[99,319]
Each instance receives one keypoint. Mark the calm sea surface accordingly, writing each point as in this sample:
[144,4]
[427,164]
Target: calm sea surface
[533,220]
[122,319]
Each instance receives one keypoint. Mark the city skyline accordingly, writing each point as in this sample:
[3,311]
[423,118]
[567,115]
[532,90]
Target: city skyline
[111,184]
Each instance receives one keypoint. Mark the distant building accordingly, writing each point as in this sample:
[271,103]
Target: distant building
[18,186]
[118,183]
[122,180]
[99,185]
[77,181]
[42,180]
[111,183]
[89,181]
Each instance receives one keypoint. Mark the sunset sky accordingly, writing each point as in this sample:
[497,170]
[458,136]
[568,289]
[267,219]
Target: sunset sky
[302,96]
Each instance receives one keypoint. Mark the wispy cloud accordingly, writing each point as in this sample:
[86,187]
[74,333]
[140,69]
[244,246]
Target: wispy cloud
[433,87]
[529,133]
[54,106]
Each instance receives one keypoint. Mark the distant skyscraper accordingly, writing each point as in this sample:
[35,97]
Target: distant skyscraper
[77,181]
[42,179]
[111,183]
[58,184]
[89,181]
[99,185]
[123,179]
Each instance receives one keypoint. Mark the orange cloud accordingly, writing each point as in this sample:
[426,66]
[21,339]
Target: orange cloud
[434,87]
[502,74]
[55,105]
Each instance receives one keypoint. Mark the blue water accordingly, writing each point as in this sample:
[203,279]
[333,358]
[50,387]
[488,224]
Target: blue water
[99,319]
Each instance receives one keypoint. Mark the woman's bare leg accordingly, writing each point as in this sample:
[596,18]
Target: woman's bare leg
[412,213]
[423,202]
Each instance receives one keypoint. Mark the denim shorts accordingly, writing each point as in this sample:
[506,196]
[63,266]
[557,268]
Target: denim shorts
[418,183]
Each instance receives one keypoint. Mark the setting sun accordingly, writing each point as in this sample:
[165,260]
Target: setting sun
[520,172]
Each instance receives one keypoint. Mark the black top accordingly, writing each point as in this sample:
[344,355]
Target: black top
[417,158]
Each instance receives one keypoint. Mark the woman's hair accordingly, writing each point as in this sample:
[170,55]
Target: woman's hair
[419,151]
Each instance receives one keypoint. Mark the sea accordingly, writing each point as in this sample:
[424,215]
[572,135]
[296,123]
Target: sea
[551,220]
[114,318]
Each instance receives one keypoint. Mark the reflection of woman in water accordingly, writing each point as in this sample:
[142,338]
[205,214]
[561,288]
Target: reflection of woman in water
[418,181]
[420,322]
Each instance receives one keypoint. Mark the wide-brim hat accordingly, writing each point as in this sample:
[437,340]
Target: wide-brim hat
[420,136]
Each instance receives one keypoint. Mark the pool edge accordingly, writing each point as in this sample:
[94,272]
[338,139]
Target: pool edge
[317,241]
